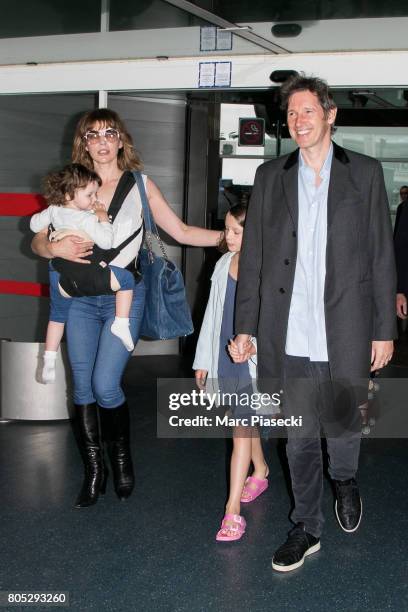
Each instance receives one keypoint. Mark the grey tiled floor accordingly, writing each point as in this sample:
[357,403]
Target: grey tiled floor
[157,552]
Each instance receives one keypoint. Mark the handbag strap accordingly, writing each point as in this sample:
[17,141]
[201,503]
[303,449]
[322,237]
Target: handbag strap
[150,225]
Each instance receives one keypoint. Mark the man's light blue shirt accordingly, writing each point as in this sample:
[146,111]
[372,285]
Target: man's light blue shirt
[306,336]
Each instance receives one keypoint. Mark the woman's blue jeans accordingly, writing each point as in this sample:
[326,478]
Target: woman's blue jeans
[97,357]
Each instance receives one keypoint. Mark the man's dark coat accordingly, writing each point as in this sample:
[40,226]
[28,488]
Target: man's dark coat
[360,283]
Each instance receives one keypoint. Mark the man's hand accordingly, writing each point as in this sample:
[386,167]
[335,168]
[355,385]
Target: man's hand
[236,355]
[401,306]
[72,248]
[241,346]
[381,353]
[201,377]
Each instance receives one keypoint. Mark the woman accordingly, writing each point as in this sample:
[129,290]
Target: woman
[98,358]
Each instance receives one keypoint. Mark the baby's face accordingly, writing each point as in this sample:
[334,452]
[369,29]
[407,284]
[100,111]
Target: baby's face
[85,197]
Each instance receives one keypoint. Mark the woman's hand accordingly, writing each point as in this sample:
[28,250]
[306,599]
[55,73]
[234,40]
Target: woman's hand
[201,377]
[71,248]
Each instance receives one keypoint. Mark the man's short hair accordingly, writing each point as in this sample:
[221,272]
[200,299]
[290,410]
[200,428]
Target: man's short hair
[301,82]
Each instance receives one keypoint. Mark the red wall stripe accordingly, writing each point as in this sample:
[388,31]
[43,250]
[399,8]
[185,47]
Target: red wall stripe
[24,288]
[20,204]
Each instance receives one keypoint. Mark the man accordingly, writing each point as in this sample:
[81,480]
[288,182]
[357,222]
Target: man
[317,289]
[401,252]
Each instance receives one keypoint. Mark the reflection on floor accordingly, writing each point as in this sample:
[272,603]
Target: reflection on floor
[157,551]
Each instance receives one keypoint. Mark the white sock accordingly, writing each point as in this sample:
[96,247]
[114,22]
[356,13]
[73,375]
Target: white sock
[120,328]
[48,372]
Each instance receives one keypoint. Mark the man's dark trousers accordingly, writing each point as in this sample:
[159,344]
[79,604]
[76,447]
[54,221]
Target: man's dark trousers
[327,407]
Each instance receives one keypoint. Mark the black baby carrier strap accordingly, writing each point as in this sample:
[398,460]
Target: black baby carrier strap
[79,279]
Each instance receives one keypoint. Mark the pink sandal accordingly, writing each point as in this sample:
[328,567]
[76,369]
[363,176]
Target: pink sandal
[253,488]
[232,528]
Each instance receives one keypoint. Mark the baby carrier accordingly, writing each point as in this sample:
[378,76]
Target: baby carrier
[79,280]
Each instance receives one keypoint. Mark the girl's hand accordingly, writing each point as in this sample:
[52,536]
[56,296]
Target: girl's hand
[201,377]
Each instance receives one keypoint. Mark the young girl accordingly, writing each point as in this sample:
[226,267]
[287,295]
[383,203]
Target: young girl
[212,361]
[75,210]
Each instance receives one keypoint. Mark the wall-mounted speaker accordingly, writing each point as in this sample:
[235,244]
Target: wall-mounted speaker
[286,30]
[280,76]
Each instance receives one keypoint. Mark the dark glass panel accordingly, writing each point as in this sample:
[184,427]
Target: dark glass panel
[49,17]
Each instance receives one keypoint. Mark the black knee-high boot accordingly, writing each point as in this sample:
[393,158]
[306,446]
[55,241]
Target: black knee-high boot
[115,431]
[90,443]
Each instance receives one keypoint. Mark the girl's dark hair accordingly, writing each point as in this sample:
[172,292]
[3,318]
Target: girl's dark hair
[316,86]
[58,185]
[238,211]
[128,159]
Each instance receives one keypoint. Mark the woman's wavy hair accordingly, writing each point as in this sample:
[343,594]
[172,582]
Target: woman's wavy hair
[238,211]
[128,159]
[59,185]
[316,86]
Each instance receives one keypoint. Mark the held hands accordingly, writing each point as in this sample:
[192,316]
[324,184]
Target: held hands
[381,353]
[401,306]
[241,348]
[201,377]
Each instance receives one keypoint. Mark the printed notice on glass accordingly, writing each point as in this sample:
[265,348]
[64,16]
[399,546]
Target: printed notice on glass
[223,74]
[208,38]
[206,75]
[224,40]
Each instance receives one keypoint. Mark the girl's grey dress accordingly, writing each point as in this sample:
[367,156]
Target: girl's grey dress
[233,378]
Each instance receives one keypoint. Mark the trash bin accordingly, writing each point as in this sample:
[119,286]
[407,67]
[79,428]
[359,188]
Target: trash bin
[23,396]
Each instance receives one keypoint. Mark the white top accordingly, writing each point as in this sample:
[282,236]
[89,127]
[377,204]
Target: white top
[63,218]
[105,235]
[128,220]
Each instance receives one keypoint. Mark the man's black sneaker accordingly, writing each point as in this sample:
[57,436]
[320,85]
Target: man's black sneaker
[348,505]
[299,545]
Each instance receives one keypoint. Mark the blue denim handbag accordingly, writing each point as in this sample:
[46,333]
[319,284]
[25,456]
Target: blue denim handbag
[166,312]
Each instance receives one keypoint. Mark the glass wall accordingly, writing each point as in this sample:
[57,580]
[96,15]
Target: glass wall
[128,14]
[44,18]
[149,14]
[387,144]
[299,10]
